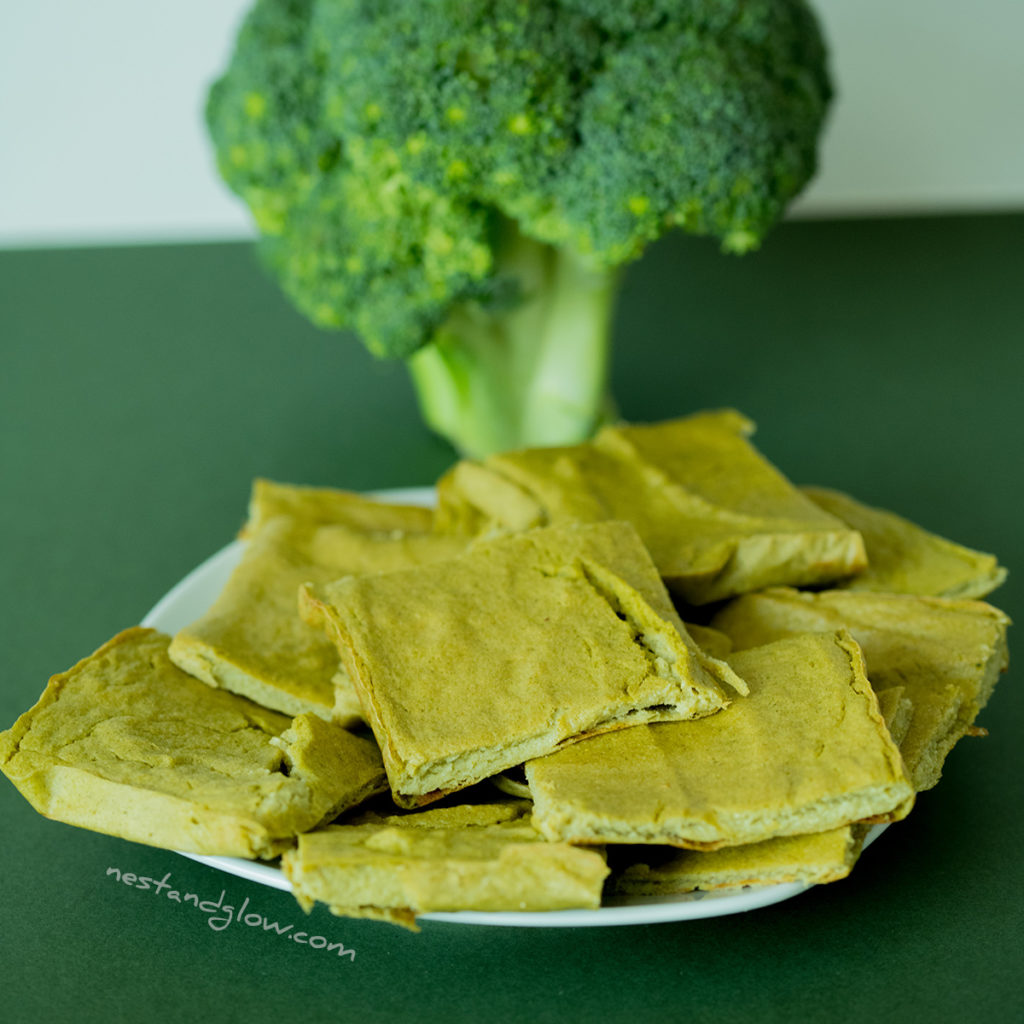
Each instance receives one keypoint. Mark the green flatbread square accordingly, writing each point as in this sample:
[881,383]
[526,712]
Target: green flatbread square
[716,516]
[811,859]
[394,871]
[904,558]
[468,667]
[664,870]
[252,640]
[126,743]
[947,654]
[330,506]
[806,751]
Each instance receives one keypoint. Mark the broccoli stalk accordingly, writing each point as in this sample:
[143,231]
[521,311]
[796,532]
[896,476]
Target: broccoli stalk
[460,183]
[535,373]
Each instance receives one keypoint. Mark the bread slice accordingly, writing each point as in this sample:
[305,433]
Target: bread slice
[946,654]
[665,871]
[468,667]
[394,871]
[127,744]
[815,859]
[253,642]
[903,558]
[807,751]
[323,506]
[717,517]
[445,815]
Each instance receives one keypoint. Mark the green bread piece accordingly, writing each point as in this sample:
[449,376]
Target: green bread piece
[946,654]
[903,558]
[253,642]
[469,667]
[395,871]
[807,751]
[491,812]
[807,859]
[328,506]
[716,516]
[127,744]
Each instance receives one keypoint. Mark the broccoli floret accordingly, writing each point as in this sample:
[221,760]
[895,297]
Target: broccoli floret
[461,181]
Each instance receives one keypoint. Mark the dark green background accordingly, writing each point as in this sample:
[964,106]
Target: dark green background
[142,388]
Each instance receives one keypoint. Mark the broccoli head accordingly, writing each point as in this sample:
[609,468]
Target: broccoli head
[460,183]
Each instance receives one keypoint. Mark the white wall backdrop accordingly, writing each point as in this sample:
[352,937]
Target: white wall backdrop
[101,137]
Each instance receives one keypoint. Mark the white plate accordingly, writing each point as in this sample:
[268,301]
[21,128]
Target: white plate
[188,599]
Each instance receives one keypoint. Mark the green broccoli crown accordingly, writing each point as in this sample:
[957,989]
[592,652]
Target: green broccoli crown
[384,147]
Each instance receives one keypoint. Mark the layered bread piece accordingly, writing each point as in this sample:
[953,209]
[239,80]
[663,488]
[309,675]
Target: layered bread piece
[806,751]
[252,640]
[946,654]
[446,815]
[667,871]
[127,744]
[813,859]
[717,517]
[904,558]
[323,506]
[396,870]
[469,667]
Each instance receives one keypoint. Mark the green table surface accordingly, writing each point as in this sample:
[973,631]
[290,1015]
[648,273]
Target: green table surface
[143,388]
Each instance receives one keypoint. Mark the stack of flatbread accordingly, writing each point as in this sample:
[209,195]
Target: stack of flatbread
[643,665]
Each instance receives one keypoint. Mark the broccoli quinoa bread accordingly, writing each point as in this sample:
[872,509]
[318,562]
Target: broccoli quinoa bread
[520,638]
[716,516]
[665,870]
[324,506]
[903,558]
[128,744]
[473,808]
[536,639]
[946,654]
[251,640]
[808,859]
[806,751]
[396,869]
